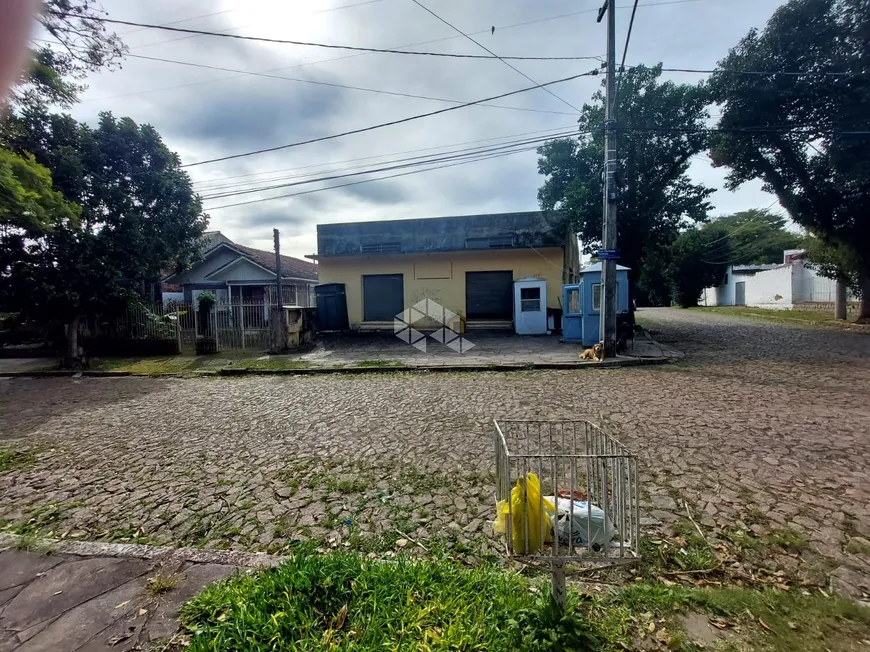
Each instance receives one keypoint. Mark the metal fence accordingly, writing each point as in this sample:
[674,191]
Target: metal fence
[234,326]
[567,492]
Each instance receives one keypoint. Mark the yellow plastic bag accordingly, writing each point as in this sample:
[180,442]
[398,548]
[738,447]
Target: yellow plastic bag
[525,510]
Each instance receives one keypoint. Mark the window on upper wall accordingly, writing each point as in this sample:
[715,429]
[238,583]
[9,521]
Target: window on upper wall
[530,299]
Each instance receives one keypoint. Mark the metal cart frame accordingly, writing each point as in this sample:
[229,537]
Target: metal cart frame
[573,460]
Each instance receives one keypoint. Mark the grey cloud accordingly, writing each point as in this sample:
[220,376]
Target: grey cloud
[251,116]
[207,120]
[271,217]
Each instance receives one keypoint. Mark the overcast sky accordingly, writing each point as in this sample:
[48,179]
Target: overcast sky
[204,114]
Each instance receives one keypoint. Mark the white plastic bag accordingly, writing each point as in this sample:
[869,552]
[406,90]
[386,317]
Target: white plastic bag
[590,524]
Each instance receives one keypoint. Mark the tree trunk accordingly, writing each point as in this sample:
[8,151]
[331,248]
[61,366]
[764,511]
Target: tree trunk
[864,310]
[840,302]
[73,357]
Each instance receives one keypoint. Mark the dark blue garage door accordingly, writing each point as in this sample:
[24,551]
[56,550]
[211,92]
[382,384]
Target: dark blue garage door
[383,296]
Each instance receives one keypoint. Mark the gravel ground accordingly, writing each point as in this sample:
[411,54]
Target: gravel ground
[762,427]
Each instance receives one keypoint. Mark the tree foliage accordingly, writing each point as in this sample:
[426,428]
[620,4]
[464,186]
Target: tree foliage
[755,237]
[29,205]
[80,45]
[833,262]
[691,268]
[793,131]
[656,197]
[138,215]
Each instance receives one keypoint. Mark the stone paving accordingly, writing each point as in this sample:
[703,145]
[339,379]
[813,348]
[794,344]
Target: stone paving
[762,428]
[53,601]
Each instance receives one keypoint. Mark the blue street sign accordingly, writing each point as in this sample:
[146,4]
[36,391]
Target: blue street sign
[608,254]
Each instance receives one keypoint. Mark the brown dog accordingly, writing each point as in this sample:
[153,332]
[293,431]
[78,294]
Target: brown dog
[595,353]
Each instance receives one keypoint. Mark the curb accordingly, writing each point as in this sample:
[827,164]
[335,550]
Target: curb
[312,371]
[151,553]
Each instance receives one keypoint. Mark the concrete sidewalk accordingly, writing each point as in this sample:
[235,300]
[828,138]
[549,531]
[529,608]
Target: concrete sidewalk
[108,597]
[370,352]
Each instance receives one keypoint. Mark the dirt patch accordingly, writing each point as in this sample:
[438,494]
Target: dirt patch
[699,630]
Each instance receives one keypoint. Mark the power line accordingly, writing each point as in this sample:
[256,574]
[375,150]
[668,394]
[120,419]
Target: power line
[628,36]
[368,158]
[392,122]
[255,184]
[331,46]
[481,45]
[765,73]
[332,84]
[394,165]
[355,183]
[624,52]
[784,129]
[407,45]
[183,20]
[173,40]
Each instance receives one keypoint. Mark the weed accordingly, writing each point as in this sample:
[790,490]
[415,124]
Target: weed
[789,540]
[29,543]
[380,363]
[349,485]
[858,546]
[160,584]
[11,460]
[283,528]
[42,520]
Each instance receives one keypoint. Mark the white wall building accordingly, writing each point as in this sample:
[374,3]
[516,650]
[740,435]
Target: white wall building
[787,286]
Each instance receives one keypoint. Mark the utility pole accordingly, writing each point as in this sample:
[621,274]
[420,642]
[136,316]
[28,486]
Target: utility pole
[280,299]
[608,238]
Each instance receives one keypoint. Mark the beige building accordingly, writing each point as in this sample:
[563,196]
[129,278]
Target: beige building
[467,264]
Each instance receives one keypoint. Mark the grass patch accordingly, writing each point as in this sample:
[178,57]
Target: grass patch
[159,365]
[29,543]
[769,620]
[776,315]
[339,601]
[789,540]
[43,521]
[272,364]
[160,585]
[11,460]
[858,546]
[380,363]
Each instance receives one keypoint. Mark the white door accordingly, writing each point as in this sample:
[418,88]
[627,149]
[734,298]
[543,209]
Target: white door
[530,307]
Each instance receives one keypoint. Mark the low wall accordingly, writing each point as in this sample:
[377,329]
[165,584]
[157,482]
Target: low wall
[97,346]
[852,307]
[291,328]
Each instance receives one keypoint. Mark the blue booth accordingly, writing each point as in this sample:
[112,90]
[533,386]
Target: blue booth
[581,316]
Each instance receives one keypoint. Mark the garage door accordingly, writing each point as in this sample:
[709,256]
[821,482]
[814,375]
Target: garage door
[489,295]
[383,296]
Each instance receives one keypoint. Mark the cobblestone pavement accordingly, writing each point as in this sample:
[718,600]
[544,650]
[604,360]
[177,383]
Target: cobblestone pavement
[762,428]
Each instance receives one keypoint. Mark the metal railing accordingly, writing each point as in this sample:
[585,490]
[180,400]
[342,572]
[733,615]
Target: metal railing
[571,489]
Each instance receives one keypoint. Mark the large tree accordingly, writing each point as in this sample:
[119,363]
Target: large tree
[661,126]
[755,237]
[139,216]
[805,135]
[697,260]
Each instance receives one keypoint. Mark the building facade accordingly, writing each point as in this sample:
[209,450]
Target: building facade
[791,285]
[467,264]
[239,274]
